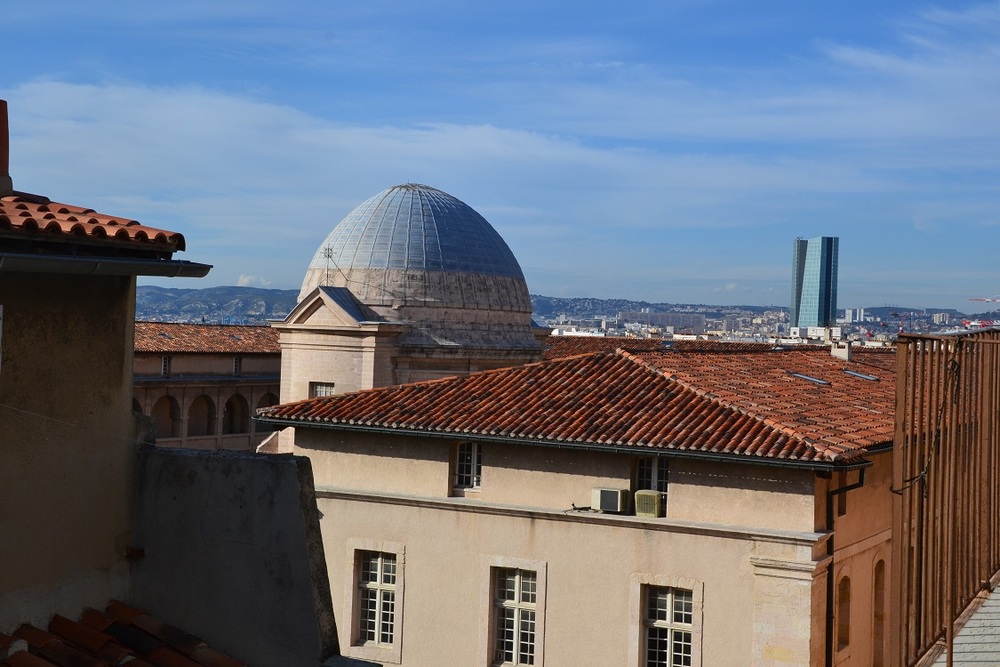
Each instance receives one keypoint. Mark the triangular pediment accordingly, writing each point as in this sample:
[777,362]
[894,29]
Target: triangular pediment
[329,306]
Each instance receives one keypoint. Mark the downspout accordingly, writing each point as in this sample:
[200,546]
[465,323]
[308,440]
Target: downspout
[830,569]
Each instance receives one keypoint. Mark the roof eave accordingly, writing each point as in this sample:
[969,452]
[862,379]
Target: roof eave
[169,268]
[817,465]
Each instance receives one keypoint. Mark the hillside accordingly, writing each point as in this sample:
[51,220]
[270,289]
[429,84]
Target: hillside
[215,305]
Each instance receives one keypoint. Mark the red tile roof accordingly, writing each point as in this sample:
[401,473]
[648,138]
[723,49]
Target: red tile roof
[121,635]
[557,347]
[740,405]
[169,338]
[32,218]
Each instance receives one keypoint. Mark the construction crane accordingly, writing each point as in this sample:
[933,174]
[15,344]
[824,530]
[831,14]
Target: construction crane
[985,298]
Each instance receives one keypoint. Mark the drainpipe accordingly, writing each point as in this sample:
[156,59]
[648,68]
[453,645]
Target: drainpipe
[830,583]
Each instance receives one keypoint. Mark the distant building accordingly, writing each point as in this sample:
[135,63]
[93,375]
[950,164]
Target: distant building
[411,285]
[814,282]
[199,382]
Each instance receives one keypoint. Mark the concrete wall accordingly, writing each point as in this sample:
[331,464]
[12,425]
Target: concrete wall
[232,548]
[66,443]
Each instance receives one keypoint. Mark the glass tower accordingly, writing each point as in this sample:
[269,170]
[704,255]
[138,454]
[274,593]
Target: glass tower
[814,282]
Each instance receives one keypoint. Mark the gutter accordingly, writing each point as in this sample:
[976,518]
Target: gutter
[102,266]
[825,466]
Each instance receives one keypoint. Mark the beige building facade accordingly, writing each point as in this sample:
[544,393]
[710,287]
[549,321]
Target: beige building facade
[483,498]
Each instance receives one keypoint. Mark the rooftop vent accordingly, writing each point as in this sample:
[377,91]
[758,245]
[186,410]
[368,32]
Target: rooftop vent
[863,376]
[810,378]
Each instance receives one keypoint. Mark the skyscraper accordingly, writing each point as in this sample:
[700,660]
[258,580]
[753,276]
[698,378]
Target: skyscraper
[814,282]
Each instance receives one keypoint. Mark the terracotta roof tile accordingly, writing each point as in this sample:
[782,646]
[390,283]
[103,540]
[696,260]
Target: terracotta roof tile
[557,347]
[125,635]
[23,216]
[748,405]
[168,338]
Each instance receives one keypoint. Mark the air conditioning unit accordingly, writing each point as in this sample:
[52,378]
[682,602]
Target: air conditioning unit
[608,500]
[648,503]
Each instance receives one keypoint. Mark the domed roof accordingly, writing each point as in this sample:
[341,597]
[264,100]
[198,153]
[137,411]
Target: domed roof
[416,228]
[419,257]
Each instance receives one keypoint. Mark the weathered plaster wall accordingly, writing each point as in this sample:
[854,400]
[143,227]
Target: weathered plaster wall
[66,442]
[232,546]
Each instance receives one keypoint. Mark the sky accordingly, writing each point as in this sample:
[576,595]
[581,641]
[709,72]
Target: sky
[659,150]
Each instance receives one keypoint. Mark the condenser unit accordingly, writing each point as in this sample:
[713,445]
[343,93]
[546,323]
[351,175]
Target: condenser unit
[648,503]
[608,500]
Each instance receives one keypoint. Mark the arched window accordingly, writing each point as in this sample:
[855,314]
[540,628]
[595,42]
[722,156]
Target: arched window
[266,401]
[201,417]
[167,417]
[878,620]
[236,415]
[843,613]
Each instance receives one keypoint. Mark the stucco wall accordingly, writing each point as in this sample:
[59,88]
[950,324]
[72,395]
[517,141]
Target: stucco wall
[756,590]
[862,539]
[740,494]
[66,442]
[555,478]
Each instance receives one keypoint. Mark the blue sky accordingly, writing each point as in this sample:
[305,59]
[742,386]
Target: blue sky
[657,150]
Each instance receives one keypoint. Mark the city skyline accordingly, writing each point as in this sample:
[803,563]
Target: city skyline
[658,153]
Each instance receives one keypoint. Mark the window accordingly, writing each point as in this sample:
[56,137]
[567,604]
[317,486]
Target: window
[468,466]
[165,366]
[668,621]
[237,365]
[652,474]
[320,389]
[665,621]
[373,595]
[512,613]
[515,597]
[376,597]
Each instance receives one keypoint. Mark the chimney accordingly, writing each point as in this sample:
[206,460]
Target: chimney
[6,185]
[841,350]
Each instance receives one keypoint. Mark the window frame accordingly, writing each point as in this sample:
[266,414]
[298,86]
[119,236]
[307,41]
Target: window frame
[352,645]
[639,586]
[475,475]
[491,565]
[318,389]
[521,611]
[671,626]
